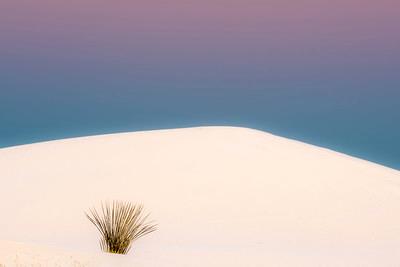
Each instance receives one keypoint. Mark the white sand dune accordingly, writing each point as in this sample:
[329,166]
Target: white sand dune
[20,254]
[222,196]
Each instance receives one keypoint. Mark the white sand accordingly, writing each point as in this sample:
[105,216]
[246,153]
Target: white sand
[222,196]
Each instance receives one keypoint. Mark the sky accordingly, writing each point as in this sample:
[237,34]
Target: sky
[322,72]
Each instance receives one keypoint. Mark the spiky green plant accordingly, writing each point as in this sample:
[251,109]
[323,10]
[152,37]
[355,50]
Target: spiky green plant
[119,224]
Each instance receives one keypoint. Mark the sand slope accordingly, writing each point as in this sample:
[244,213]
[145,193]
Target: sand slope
[20,254]
[223,196]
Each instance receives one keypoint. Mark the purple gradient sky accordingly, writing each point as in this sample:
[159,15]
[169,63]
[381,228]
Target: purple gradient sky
[325,72]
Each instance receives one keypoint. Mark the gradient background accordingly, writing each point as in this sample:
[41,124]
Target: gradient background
[324,72]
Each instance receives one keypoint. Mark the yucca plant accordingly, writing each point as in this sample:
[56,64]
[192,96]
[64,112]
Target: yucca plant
[119,224]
